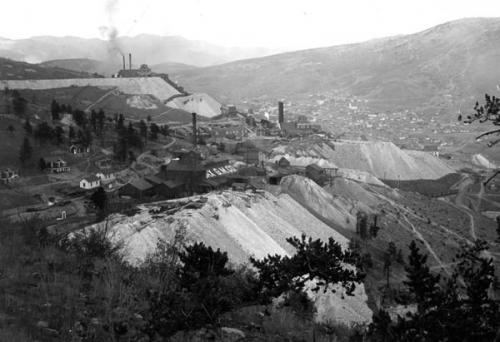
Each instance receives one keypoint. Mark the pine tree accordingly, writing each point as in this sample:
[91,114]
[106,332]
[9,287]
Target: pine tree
[41,164]
[58,135]
[26,151]
[144,131]
[71,133]
[27,127]
[421,282]
[55,110]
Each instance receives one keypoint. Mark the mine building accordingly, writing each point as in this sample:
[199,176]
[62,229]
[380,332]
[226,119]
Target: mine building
[251,154]
[143,71]
[137,188]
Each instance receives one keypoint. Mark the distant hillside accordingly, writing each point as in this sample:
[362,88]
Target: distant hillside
[83,65]
[14,70]
[149,49]
[170,67]
[446,66]
[108,68]
[155,86]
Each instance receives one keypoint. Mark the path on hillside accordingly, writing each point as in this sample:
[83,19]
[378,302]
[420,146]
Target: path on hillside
[427,245]
[460,204]
[112,91]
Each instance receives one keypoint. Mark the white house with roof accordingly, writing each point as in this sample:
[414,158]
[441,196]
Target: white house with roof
[90,182]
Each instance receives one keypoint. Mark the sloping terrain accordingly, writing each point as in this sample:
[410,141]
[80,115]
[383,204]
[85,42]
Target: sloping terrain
[14,70]
[202,104]
[443,67]
[382,159]
[155,86]
[84,65]
[107,68]
[244,225]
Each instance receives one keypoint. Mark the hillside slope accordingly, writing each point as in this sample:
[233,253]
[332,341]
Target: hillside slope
[155,86]
[446,66]
[14,70]
[381,159]
[244,225]
[203,104]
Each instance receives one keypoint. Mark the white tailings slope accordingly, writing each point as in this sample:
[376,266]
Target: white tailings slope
[244,225]
[312,196]
[381,159]
[480,160]
[201,104]
[155,86]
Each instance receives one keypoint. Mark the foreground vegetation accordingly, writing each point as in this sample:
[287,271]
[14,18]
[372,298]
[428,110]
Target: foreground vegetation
[79,289]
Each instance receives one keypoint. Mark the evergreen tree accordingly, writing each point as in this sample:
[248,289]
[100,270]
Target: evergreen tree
[93,120]
[100,119]
[41,164]
[154,131]
[55,110]
[144,131]
[71,133]
[27,127]
[58,135]
[19,103]
[322,261]
[80,118]
[11,129]
[26,151]
[99,198]
[421,282]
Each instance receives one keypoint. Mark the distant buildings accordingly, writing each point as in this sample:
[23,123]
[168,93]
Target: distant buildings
[143,71]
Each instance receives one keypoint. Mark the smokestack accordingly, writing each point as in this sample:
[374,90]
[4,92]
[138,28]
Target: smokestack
[281,114]
[123,62]
[130,61]
[195,138]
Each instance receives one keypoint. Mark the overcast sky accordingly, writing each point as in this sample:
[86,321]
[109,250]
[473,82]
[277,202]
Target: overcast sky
[285,24]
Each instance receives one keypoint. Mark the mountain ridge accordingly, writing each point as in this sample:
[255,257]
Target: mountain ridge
[436,68]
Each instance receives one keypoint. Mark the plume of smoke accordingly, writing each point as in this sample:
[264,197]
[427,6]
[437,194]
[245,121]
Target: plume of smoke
[110,32]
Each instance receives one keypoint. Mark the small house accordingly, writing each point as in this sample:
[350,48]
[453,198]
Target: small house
[79,149]
[56,165]
[8,175]
[90,182]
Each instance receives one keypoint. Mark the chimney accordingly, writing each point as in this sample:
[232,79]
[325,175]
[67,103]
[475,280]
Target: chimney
[195,138]
[123,62]
[281,114]
[130,61]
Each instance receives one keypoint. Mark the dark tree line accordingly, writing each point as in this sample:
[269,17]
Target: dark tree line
[459,308]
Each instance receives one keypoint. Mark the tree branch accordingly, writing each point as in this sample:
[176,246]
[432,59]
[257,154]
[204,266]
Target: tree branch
[487,133]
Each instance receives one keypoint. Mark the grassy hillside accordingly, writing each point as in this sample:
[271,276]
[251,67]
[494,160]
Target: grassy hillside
[442,67]
[14,70]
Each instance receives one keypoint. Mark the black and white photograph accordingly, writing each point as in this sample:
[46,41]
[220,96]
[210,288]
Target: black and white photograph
[249,171]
